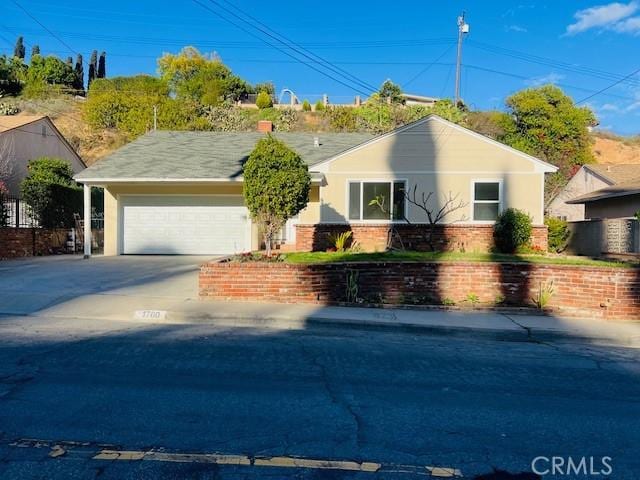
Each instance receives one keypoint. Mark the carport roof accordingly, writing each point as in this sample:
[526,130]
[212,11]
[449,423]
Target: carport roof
[168,155]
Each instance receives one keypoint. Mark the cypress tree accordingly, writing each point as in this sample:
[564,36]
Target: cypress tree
[93,67]
[35,50]
[19,50]
[102,67]
[79,71]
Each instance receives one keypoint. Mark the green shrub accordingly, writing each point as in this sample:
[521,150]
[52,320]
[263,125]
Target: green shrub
[319,106]
[342,119]
[306,106]
[51,192]
[276,186]
[558,234]
[264,100]
[512,230]
[4,210]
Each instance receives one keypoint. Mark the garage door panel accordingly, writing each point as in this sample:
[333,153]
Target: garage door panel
[184,225]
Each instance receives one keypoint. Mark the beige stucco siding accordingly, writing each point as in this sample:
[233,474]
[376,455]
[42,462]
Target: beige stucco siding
[437,158]
[113,192]
[428,147]
[31,141]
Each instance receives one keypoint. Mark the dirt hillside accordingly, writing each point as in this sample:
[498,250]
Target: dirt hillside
[617,150]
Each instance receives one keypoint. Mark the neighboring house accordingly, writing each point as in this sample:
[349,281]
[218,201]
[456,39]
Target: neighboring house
[181,192]
[27,137]
[589,178]
[617,201]
[411,99]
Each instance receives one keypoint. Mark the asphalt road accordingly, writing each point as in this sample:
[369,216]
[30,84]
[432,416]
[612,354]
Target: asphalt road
[402,400]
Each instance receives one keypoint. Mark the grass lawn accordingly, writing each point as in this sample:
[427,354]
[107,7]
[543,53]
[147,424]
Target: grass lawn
[330,257]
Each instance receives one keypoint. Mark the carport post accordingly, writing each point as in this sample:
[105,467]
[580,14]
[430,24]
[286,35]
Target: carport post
[87,221]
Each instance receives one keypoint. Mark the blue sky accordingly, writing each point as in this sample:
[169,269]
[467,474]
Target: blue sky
[582,46]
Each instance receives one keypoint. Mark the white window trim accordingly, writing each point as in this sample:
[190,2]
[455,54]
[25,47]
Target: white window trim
[390,181]
[473,201]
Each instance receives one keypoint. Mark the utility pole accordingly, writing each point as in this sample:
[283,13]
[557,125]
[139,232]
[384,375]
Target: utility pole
[463,29]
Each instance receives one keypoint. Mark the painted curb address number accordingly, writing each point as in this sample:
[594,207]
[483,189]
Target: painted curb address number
[150,314]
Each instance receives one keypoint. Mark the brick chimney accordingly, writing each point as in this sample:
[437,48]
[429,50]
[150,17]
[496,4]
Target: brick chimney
[265,126]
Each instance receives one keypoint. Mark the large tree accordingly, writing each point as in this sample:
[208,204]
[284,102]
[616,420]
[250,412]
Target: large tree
[391,92]
[546,123]
[35,50]
[276,186]
[19,50]
[202,78]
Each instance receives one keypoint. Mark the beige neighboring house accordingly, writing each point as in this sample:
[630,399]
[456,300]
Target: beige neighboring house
[588,179]
[617,201]
[181,192]
[27,137]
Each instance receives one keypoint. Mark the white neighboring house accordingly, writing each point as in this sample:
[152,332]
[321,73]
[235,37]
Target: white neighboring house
[586,180]
[27,137]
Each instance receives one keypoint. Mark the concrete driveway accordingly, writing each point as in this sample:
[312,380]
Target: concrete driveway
[30,285]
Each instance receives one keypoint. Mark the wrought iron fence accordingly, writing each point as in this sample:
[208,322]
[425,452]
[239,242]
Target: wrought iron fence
[17,213]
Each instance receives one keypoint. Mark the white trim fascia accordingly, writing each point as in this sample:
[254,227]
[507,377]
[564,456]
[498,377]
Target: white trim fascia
[541,166]
[429,172]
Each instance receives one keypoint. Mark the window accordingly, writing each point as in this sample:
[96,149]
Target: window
[486,201]
[389,198]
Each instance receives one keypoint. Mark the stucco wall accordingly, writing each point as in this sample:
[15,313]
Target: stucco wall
[27,143]
[437,158]
[584,181]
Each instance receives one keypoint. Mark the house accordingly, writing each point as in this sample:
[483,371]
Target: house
[27,137]
[589,178]
[412,99]
[616,201]
[181,192]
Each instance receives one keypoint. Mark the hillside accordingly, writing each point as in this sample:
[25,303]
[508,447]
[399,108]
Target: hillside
[616,150]
[94,144]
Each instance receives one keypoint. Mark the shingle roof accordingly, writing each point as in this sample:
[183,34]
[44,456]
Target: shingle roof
[620,190]
[207,155]
[9,122]
[616,173]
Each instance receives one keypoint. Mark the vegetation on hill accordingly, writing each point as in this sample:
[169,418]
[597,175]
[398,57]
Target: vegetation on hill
[194,91]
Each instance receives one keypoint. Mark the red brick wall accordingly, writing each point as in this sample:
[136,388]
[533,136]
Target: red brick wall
[608,293]
[374,236]
[26,242]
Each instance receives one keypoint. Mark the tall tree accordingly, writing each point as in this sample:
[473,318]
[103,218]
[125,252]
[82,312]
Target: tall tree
[70,61]
[78,84]
[546,123]
[35,50]
[102,65]
[276,186]
[391,92]
[19,50]
[93,68]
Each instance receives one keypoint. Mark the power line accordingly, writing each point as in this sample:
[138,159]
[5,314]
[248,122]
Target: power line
[429,65]
[635,72]
[276,47]
[536,59]
[44,26]
[302,50]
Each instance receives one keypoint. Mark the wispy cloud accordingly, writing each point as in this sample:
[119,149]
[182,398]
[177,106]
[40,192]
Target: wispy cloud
[629,25]
[516,28]
[607,17]
[544,79]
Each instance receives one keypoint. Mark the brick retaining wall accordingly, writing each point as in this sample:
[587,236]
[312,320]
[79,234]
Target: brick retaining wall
[608,293]
[374,237]
[27,242]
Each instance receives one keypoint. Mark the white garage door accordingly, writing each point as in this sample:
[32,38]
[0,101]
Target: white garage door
[187,225]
